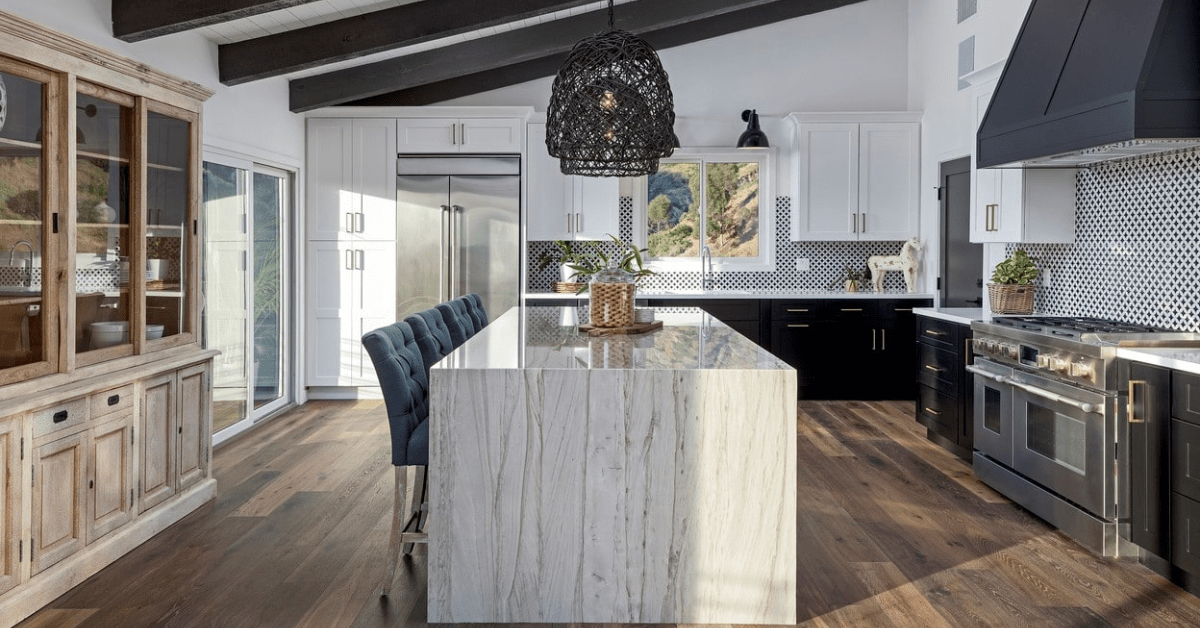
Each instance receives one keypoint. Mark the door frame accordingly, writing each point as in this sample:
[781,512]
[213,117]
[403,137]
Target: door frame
[291,382]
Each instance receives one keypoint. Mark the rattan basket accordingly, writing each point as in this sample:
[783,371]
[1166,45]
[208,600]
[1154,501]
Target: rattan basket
[1011,298]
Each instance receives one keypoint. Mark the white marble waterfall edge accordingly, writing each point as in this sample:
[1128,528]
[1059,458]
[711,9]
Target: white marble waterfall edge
[631,496]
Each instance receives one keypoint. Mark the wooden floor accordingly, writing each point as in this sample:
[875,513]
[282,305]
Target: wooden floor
[894,532]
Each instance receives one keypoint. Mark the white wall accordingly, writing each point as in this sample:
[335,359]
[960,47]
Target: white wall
[251,118]
[847,59]
[948,130]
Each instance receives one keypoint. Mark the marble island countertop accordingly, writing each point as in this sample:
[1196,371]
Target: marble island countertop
[742,294]
[548,338]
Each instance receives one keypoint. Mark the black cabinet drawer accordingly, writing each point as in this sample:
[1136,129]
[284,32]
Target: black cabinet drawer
[937,332]
[1185,459]
[1185,533]
[938,368]
[1185,397]
[796,310]
[938,412]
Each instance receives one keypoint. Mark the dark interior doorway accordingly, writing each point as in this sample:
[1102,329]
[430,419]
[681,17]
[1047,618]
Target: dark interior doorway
[960,280]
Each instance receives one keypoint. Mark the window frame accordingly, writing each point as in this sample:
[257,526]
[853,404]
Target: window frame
[765,261]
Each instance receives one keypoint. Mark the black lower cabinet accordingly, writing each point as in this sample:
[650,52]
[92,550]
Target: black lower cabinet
[945,394]
[847,348]
[745,316]
[1149,468]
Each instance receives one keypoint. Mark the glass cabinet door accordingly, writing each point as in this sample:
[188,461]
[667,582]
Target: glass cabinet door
[22,217]
[104,144]
[168,221]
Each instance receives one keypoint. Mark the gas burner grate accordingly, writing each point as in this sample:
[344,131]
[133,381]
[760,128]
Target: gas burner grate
[1074,325]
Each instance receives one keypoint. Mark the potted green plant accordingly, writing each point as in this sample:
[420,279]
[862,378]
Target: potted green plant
[851,279]
[1011,289]
[569,257]
[627,258]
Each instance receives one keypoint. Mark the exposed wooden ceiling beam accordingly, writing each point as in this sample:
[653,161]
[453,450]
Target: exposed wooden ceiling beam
[379,31]
[661,39]
[136,20]
[517,47]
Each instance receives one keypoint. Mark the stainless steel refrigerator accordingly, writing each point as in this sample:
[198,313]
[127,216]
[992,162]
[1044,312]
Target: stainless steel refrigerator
[457,231]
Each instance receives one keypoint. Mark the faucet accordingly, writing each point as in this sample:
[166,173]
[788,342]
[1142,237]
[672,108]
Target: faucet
[28,281]
[706,268]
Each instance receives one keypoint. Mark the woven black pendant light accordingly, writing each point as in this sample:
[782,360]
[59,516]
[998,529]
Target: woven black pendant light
[611,113]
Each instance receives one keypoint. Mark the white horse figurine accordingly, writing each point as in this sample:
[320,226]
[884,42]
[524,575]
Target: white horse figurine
[906,262]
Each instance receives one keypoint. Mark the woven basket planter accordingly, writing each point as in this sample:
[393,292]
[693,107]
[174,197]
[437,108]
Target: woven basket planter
[1010,298]
[612,304]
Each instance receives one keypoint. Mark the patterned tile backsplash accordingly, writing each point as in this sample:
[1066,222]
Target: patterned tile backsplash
[827,261]
[1137,245]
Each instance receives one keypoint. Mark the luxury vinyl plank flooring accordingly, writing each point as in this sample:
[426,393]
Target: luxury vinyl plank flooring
[893,532]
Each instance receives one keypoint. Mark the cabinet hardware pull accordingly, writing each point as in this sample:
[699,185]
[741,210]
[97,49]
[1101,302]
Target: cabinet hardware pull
[349,259]
[902,309]
[349,222]
[883,340]
[463,133]
[801,325]
[864,223]
[360,260]
[935,334]
[1132,415]
[930,367]
[932,411]
[60,416]
[873,347]
[114,400]
[852,309]
[54,222]
[454,134]
[578,222]
[91,484]
[966,352]
[568,222]
[854,222]
[361,218]
[798,310]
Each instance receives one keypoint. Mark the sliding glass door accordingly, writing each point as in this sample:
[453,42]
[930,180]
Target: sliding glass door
[247,270]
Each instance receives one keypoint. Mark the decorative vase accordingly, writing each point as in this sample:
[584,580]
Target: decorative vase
[156,269]
[851,285]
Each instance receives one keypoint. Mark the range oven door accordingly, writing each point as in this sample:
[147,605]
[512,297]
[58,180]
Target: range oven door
[993,410]
[1063,439]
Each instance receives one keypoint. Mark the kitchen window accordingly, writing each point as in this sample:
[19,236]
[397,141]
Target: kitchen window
[720,198]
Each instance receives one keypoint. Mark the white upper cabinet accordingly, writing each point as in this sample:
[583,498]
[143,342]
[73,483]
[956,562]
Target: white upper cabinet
[351,179]
[458,135]
[562,207]
[1012,205]
[856,176]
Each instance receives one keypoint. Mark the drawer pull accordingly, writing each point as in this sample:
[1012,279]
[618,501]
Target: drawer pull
[935,334]
[852,309]
[932,411]
[60,416]
[903,309]
[1133,415]
[930,367]
[794,326]
[798,310]
[114,400]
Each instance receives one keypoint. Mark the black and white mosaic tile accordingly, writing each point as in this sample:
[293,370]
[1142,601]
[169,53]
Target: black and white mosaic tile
[827,261]
[1137,243]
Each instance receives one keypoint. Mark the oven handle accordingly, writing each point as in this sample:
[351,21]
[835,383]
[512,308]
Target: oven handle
[1034,390]
[983,372]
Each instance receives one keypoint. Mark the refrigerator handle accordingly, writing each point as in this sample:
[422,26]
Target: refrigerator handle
[447,217]
[456,280]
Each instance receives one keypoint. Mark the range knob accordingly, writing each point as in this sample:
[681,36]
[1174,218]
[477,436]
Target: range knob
[1011,351]
[1043,361]
[1082,368]
[1059,365]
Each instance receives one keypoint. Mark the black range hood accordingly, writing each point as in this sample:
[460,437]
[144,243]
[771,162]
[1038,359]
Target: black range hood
[1096,80]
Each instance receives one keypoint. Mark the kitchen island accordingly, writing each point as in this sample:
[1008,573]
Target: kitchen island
[630,479]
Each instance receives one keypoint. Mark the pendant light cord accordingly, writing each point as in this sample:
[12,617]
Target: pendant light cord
[610,16]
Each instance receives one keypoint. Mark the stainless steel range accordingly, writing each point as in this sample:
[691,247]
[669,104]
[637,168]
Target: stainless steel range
[1049,418]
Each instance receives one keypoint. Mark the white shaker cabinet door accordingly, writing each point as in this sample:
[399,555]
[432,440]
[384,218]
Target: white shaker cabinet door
[828,182]
[332,356]
[889,173]
[427,135]
[375,267]
[596,201]
[331,200]
[549,212]
[374,177]
[489,135]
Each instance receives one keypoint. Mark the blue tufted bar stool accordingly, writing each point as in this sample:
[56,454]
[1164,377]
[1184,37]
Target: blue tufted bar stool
[454,314]
[475,299]
[433,337]
[404,381]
